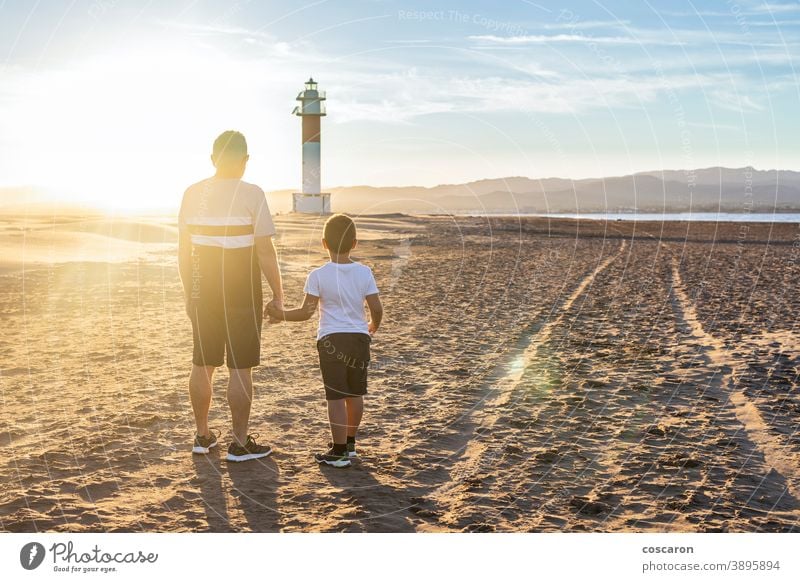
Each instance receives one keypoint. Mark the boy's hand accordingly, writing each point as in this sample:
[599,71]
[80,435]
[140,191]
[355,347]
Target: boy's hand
[277,314]
[274,310]
[375,312]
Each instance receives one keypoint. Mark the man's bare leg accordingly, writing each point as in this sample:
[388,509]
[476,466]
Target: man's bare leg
[200,393]
[355,410]
[337,415]
[240,396]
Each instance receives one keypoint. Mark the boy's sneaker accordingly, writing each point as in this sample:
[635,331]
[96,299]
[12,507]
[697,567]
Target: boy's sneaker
[203,445]
[333,459]
[351,449]
[251,450]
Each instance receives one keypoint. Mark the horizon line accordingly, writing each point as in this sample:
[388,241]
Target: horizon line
[43,189]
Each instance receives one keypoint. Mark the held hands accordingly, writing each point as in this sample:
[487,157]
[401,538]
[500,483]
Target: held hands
[274,311]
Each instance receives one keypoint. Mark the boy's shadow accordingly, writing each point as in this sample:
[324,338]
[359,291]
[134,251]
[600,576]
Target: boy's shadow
[253,491]
[383,508]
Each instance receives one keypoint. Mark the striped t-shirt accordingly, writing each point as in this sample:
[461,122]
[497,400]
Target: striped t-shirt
[223,217]
[226,213]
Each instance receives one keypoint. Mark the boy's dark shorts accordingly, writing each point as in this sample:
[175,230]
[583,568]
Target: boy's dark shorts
[343,360]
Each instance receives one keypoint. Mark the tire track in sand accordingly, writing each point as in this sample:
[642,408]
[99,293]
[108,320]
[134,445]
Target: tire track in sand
[500,387]
[777,455]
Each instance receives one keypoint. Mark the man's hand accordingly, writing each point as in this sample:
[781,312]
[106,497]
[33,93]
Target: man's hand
[274,311]
[268,262]
[372,328]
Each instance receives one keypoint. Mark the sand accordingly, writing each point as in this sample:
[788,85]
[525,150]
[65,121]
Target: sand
[531,375]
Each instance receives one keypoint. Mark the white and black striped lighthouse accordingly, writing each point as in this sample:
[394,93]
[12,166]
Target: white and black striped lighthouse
[311,110]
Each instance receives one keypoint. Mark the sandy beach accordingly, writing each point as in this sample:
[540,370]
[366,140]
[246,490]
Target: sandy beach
[532,375]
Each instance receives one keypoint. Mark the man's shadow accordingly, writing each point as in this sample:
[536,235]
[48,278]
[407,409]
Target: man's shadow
[382,508]
[253,491]
[255,485]
[208,469]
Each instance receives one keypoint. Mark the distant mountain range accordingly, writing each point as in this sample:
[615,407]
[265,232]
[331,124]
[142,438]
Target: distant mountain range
[703,190]
[708,189]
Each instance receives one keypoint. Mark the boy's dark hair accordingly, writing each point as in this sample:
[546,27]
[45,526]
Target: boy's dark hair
[339,233]
[230,145]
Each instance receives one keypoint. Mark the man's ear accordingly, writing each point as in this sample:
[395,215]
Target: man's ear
[213,161]
[324,244]
[355,243]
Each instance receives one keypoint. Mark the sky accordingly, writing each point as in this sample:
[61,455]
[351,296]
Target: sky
[118,102]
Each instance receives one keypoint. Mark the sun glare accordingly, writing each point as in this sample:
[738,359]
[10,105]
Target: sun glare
[130,131]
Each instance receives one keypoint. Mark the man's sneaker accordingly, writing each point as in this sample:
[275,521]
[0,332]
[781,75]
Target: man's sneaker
[251,450]
[351,449]
[203,445]
[333,459]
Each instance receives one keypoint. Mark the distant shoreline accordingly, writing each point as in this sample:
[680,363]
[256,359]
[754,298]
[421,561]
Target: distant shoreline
[763,216]
[743,217]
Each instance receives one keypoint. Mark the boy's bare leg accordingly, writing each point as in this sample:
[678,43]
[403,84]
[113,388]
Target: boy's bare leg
[355,410]
[200,394]
[337,416]
[240,396]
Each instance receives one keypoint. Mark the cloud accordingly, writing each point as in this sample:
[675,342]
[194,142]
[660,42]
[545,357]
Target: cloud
[735,11]
[401,98]
[410,41]
[773,23]
[733,101]
[696,13]
[585,24]
[668,37]
[565,38]
[775,7]
[213,29]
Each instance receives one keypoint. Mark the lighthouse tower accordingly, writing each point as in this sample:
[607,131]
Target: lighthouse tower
[311,110]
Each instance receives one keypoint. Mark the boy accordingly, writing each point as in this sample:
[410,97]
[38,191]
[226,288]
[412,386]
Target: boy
[340,287]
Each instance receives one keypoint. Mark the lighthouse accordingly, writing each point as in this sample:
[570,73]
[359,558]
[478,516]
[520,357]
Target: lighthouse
[311,110]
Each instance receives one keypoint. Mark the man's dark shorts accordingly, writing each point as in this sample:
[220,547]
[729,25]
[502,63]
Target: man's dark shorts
[343,360]
[227,309]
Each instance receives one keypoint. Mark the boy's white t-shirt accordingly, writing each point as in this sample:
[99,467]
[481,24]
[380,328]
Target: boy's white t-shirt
[341,288]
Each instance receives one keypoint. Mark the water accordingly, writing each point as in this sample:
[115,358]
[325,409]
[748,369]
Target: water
[787,217]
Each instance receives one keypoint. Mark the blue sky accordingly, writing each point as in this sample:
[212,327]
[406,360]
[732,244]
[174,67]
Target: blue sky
[418,92]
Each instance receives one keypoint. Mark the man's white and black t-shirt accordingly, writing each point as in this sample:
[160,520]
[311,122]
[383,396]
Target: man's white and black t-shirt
[223,217]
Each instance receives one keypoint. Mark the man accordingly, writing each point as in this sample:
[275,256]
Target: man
[225,243]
